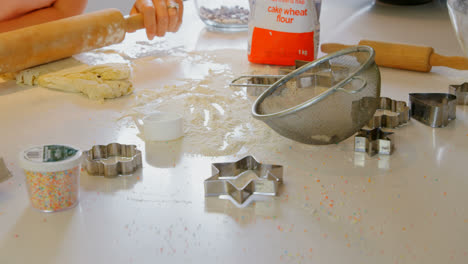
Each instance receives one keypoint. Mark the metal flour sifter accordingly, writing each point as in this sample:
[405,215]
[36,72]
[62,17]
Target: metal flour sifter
[329,108]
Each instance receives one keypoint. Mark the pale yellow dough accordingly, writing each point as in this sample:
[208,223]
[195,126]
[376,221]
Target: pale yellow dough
[97,82]
[30,76]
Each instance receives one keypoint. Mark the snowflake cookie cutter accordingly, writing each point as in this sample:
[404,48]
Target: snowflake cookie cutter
[374,141]
[390,114]
[241,179]
[112,160]
[461,92]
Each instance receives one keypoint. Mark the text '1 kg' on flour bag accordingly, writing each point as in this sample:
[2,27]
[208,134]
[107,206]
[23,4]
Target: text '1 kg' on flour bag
[282,31]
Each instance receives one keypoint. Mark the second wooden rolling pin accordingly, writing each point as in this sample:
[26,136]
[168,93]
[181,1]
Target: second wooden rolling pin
[31,46]
[402,56]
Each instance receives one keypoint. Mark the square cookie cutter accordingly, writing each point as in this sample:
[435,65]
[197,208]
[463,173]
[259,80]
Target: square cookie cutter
[433,109]
[461,92]
[257,84]
[374,141]
[112,160]
[243,178]
[390,114]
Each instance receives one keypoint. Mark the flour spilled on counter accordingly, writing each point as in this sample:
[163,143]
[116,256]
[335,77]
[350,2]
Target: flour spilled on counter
[134,46]
[217,117]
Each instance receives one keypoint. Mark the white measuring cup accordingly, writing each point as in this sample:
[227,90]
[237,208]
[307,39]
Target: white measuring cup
[161,126]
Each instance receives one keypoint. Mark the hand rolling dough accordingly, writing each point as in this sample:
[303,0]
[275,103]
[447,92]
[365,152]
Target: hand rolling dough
[97,82]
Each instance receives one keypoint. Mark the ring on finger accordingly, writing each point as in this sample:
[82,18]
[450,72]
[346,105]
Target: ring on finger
[173,4]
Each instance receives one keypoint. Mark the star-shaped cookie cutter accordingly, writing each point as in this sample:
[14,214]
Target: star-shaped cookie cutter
[390,114]
[256,178]
[461,92]
[112,160]
[433,109]
[374,141]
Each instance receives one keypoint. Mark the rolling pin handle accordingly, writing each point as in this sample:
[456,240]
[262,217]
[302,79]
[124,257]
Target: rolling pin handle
[404,56]
[459,63]
[333,47]
[134,22]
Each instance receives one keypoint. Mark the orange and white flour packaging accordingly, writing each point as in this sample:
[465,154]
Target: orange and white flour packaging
[282,31]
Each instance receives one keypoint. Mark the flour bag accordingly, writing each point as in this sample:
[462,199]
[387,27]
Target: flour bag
[282,31]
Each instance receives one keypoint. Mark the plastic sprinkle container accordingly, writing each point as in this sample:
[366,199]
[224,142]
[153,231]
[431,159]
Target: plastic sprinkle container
[52,176]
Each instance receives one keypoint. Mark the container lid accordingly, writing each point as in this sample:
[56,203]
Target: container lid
[48,158]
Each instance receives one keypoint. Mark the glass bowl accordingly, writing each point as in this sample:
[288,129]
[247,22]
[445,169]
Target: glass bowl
[458,11]
[224,15]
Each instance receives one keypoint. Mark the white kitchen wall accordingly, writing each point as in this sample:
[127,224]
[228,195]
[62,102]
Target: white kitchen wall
[123,5]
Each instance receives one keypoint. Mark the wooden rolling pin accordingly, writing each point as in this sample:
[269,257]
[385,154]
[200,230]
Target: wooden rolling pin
[31,46]
[407,57]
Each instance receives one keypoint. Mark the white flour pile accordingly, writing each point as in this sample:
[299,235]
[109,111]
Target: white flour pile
[217,117]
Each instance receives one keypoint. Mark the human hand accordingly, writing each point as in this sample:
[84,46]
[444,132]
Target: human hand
[160,16]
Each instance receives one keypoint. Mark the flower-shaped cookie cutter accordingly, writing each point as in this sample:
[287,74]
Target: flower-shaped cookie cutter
[390,114]
[112,160]
[243,178]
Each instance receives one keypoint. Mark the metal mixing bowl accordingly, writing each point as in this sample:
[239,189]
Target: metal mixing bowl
[324,101]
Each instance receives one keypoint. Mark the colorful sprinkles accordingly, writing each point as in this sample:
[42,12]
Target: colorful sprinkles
[53,191]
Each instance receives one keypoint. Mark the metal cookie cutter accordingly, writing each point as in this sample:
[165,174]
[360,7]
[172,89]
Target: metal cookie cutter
[257,84]
[264,80]
[433,109]
[390,114]
[243,178]
[374,141]
[112,160]
[461,92]
[5,174]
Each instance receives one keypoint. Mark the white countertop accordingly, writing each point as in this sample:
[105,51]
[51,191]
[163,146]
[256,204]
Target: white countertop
[335,206]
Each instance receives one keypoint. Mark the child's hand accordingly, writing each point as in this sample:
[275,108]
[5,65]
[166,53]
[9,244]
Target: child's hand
[160,16]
